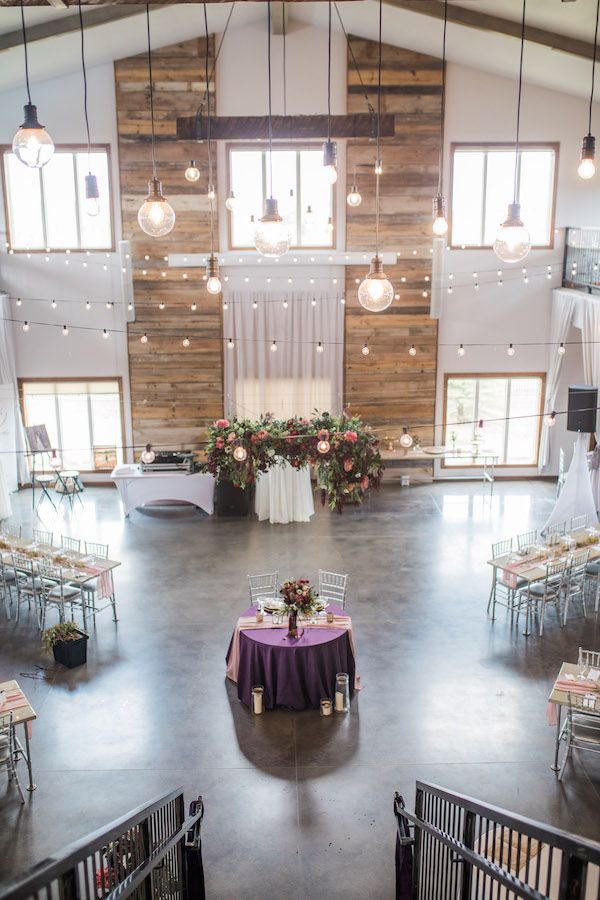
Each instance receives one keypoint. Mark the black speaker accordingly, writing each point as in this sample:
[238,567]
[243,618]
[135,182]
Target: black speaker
[583,402]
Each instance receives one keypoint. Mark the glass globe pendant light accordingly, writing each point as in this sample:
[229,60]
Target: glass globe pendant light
[32,145]
[440,224]
[272,237]
[376,293]
[354,198]
[513,241]
[213,279]
[156,216]
[230,202]
[587,168]
[92,194]
[192,173]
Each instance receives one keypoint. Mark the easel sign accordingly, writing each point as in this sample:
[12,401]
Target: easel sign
[39,442]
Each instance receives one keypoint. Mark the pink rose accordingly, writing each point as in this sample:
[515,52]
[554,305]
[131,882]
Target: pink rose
[231,437]
[323,434]
[348,465]
[222,423]
[304,422]
[351,437]
[365,482]
[219,443]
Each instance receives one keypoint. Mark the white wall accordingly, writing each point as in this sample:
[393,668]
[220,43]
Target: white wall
[481,107]
[69,279]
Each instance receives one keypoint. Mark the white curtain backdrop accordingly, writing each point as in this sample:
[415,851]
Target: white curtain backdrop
[590,332]
[296,379]
[12,435]
[563,306]
[576,497]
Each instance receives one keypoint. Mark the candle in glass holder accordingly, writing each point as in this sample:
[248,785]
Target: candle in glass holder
[342,692]
[329,617]
[259,615]
[257,699]
[326,707]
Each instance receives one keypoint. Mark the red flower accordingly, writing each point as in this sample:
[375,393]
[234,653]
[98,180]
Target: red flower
[220,443]
[323,434]
[365,482]
[351,437]
[222,423]
[231,437]
[348,464]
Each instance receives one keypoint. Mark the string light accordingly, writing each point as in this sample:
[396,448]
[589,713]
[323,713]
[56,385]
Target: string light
[254,304]
[192,173]
[562,349]
[65,331]
[551,420]
[406,439]
[230,344]
[413,350]
[25,326]
[365,350]
[274,347]
[186,342]
[510,351]
[194,307]
[19,301]
[110,304]
[240,454]
[53,304]
[323,446]
[461,350]
[285,304]
[161,305]
[105,334]
[319,347]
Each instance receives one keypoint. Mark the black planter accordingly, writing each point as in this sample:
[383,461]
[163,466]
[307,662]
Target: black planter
[71,653]
[231,500]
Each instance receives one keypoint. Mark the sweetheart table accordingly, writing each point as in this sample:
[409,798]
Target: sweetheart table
[284,494]
[295,673]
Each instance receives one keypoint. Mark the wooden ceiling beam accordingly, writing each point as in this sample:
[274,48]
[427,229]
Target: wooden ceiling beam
[239,128]
[99,15]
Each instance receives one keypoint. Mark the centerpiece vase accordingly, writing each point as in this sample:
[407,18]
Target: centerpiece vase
[293,624]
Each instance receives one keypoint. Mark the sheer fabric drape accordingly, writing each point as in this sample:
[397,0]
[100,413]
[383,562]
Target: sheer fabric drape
[563,307]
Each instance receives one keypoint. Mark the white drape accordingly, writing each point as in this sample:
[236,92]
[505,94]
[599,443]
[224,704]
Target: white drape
[296,379]
[12,435]
[563,306]
[590,335]
[576,497]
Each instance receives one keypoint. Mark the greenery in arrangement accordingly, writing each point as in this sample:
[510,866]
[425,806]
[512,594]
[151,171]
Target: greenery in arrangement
[64,631]
[348,462]
[299,596]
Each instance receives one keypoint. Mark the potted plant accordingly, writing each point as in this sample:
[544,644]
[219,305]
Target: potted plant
[67,642]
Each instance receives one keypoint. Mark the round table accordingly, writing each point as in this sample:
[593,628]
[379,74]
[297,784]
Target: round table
[295,674]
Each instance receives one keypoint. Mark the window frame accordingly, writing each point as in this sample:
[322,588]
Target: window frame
[487,375]
[503,145]
[69,380]
[71,148]
[278,145]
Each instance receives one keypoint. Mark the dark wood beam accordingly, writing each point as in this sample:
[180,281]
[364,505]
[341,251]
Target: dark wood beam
[99,15]
[480,21]
[238,128]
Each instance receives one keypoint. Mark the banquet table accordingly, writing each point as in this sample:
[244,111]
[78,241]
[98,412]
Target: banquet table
[16,702]
[295,673]
[567,683]
[75,568]
[137,488]
[532,565]
[284,495]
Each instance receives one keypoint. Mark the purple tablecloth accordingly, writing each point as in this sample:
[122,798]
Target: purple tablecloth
[295,673]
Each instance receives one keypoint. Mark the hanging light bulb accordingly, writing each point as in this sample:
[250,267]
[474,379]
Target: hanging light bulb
[378,167]
[354,198]
[32,145]
[406,439]
[461,350]
[186,342]
[240,454]
[105,334]
[330,224]
[319,347]
[330,161]
[19,301]
[144,338]
[309,214]
[274,347]
[230,344]
[192,173]
[230,202]
[440,225]
[510,351]
[92,194]
[272,236]
[513,241]
[551,420]
[25,326]
[65,331]
[587,168]
[562,349]
[53,304]
[211,193]
[413,350]
[479,429]
[376,292]
[323,447]
[213,281]
[156,216]
[365,350]
[194,307]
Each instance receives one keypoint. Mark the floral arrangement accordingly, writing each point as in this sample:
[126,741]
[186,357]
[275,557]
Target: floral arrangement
[344,450]
[299,596]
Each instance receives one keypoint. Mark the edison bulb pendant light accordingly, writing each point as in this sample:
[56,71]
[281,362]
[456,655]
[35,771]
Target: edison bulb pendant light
[354,198]
[156,216]
[330,161]
[376,293]
[213,281]
[587,168]
[32,145]
[192,173]
[440,225]
[272,236]
[240,453]
[230,202]
[513,241]
[92,194]
[406,439]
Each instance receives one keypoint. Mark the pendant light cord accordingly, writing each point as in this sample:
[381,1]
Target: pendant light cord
[593,68]
[210,175]
[516,177]
[329,73]
[443,106]
[151,90]
[284,58]
[377,163]
[85,89]
[270,106]
[354,62]
[25,51]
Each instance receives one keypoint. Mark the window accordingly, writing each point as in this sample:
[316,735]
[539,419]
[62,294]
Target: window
[46,207]
[299,184]
[493,398]
[482,188]
[83,419]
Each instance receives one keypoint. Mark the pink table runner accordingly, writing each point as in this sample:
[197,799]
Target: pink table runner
[569,687]
[15,700]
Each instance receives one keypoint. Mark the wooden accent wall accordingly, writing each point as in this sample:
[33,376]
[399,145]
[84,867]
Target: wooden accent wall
[175,391]
[389,388]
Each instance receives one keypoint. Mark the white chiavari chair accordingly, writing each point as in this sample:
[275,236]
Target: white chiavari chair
[589,658]
[502,592]
[10,750]
[263,587]
[540,594]
[42,537]
[69,543]
[11,530]
[57,592]
[575,577]
[332,588]
[527,539]
[579,522]
[581,728]
[91,589]
[29,586]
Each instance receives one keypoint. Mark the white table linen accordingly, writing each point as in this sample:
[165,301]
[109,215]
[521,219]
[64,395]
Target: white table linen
[284,494]
[137,488]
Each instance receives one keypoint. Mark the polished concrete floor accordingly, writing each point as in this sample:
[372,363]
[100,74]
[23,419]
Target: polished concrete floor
[297,806]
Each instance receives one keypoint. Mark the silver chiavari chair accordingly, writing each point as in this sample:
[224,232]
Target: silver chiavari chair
[559,528]
[91,589]
[589,658]
[332,588]
[57,591]
[29,586]
[69,543]
[501,592]
[527,539]
[10,750]
[11,530]
[8,585]
[263,587]
[575,577]
[579,522]
[541,593]
[42,537]
[581,728]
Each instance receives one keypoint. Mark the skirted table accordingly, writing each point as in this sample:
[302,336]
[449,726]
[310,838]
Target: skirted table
[295,673]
